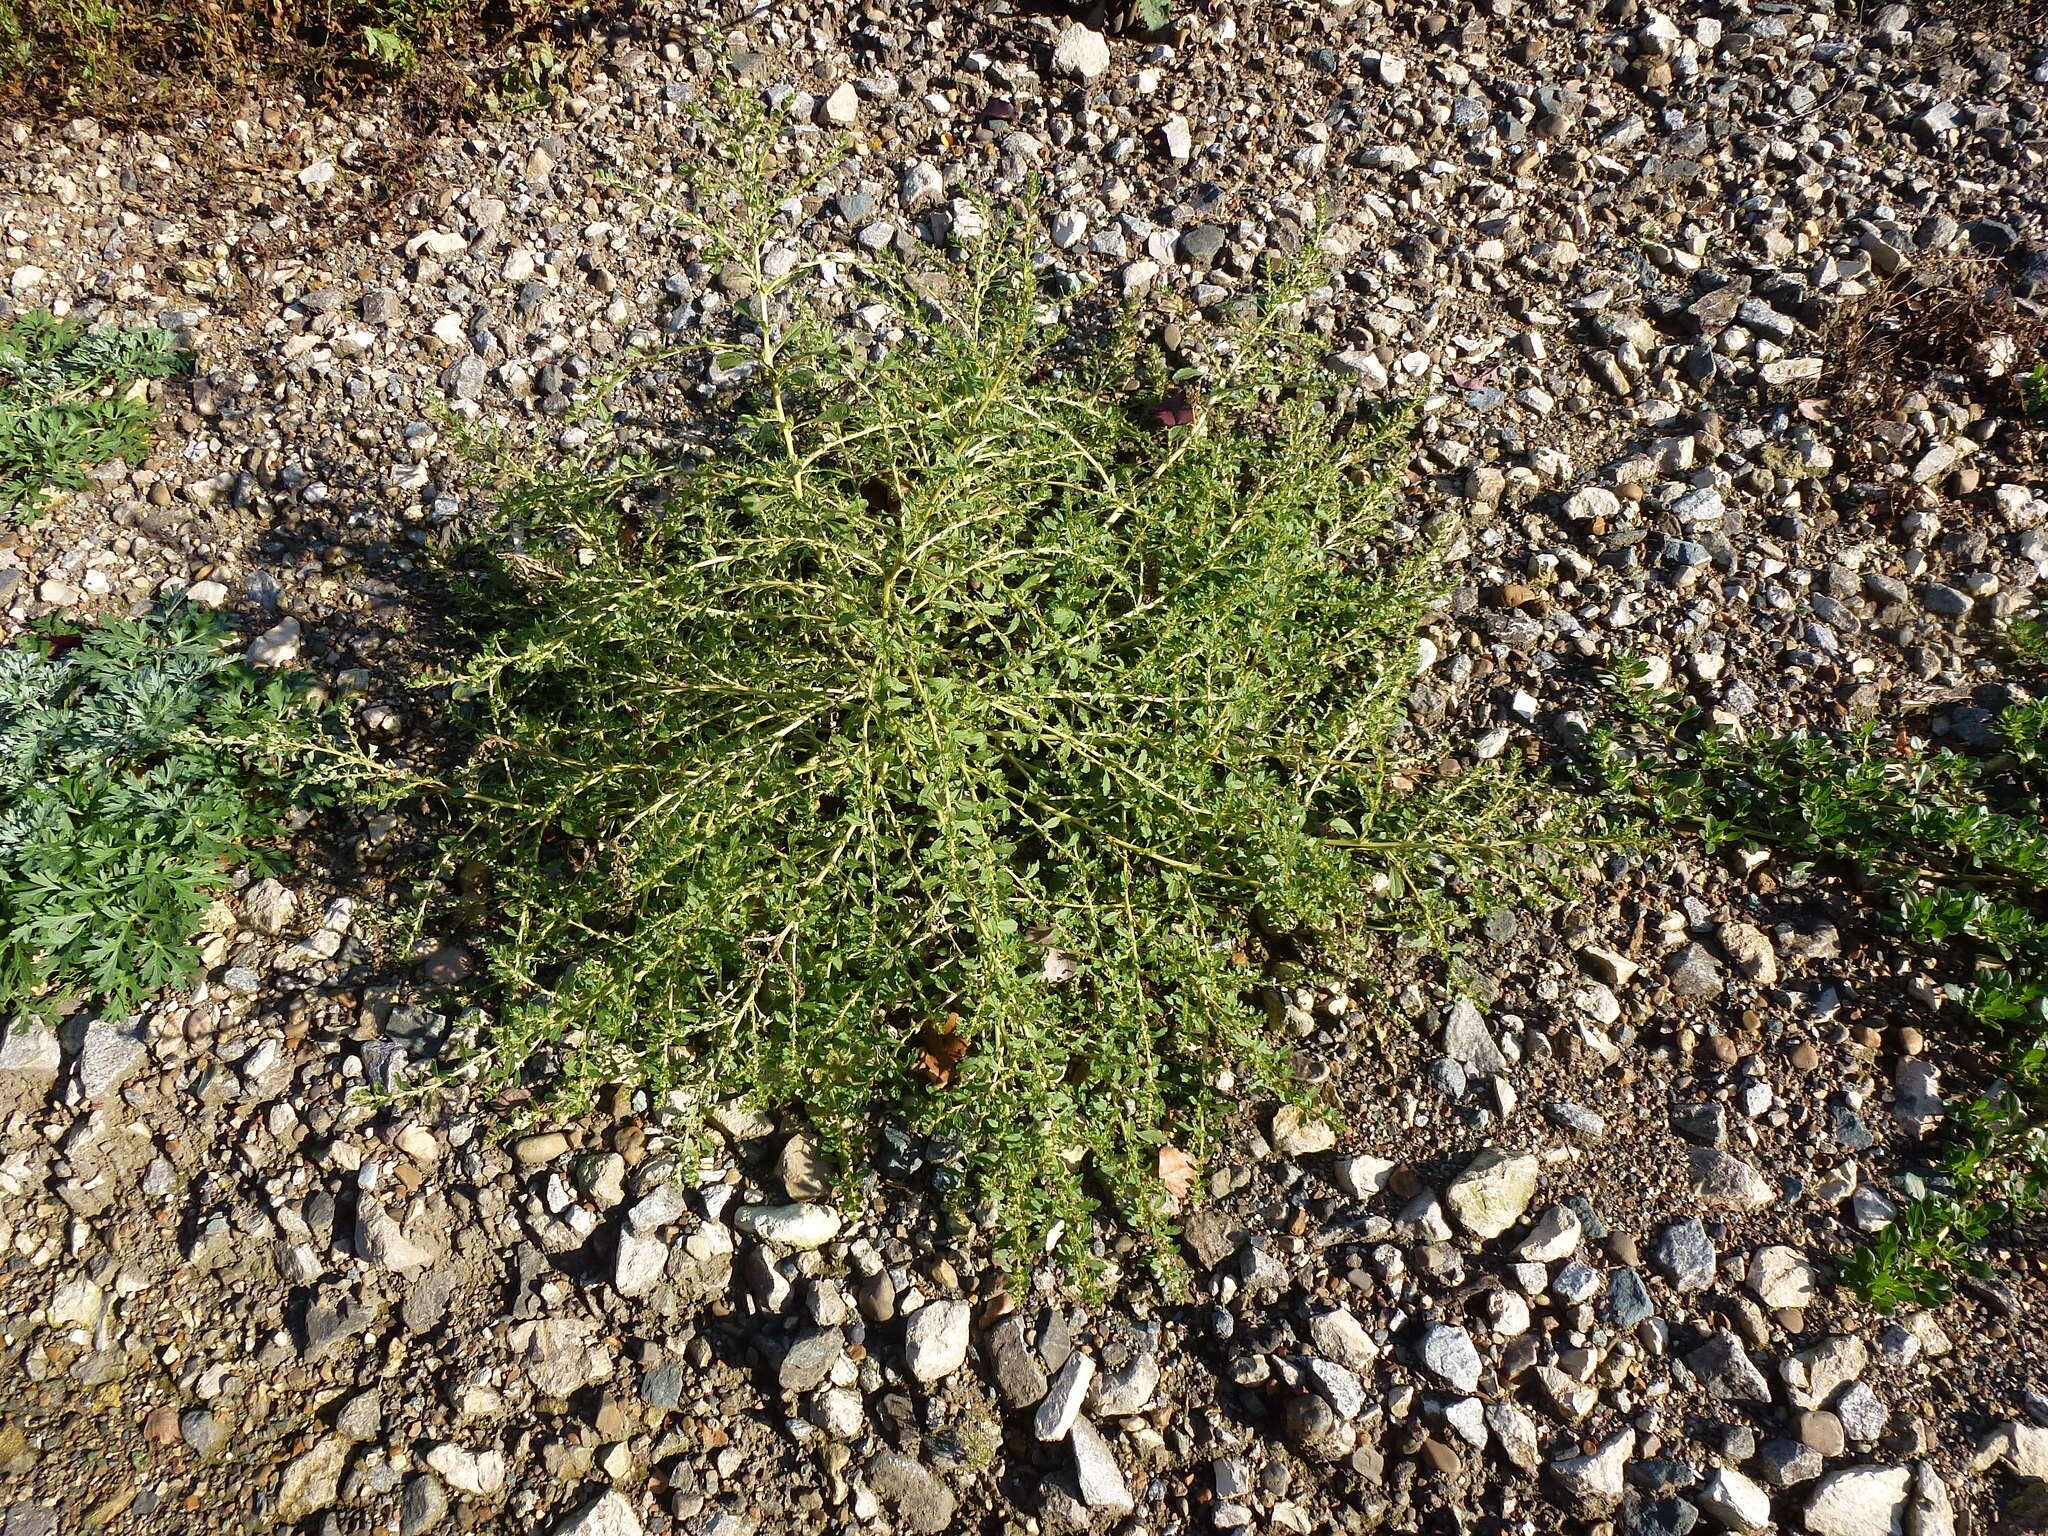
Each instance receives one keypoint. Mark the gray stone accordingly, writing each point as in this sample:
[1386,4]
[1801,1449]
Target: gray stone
[108,1054]
[809,1360]
[1722,1179]
[1685,1256]
[1018,1375]
[1694,973]
[1628,1299]
[422,1506]
[1787,1463]
[1724,1369]
[1469,1043]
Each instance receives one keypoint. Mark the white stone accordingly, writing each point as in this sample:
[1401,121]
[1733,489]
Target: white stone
[1361,1176]
[1061,1404]
[478,1472]
[609,1514]
[277,646]
[1555,1236]
[1492,1192]
[793,1226]
[935,1339]
[1339,1336]
[1081,53]
[1781,1277]
[842,107]
[1733,1502]
[1860,1501]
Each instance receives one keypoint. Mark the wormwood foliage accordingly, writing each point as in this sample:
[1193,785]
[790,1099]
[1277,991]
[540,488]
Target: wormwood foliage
[1959,840]
[66,403]
[140,765]
[956,688]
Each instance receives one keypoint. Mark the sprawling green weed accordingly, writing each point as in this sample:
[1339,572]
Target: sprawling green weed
[1959,840]
[959,740]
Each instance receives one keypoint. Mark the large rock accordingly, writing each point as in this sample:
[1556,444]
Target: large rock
[1860,1501]
[1492,1192]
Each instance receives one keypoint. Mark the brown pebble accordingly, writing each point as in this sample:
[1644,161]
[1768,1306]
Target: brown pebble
[1821,1431]
[1804,1057]
[1911,1041]
[1723,1050]
[1440,1458]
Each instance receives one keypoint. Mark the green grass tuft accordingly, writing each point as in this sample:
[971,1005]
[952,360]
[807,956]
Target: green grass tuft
[958,686]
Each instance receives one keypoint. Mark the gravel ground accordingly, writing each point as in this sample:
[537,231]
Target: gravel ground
[1569,1263]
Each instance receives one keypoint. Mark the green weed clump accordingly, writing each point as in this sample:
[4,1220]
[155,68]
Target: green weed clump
[141,764]
[1958,840]
[68,402]
[959,744]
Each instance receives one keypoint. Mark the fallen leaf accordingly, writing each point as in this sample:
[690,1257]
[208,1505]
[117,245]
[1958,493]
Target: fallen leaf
[1177,1172]
[940,1050]
[1176,410]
